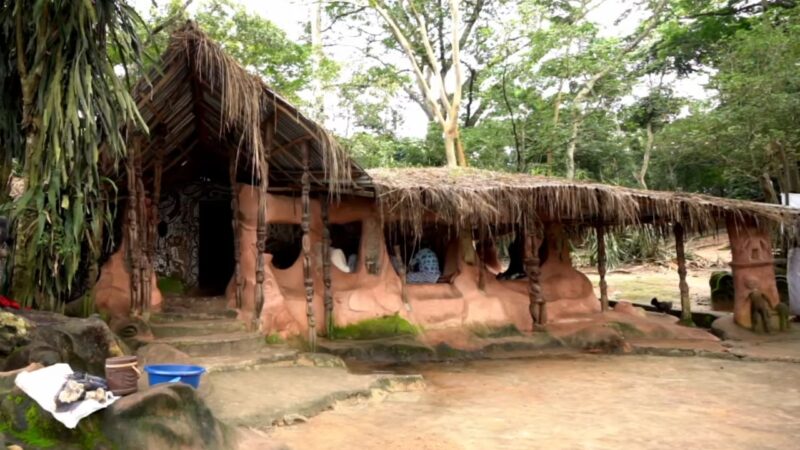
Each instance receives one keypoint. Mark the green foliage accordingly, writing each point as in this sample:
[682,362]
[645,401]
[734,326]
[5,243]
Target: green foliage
[381,327]
[274,339]
[631,245]
[71,101]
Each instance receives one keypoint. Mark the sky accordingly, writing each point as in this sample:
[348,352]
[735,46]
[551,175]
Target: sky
[292,16]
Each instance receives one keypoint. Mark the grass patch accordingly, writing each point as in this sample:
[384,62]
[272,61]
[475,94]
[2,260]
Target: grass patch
[485,331]
[380,327]
[274,339]
[171,286]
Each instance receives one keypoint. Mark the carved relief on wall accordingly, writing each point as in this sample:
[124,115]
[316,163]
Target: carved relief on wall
[177,246]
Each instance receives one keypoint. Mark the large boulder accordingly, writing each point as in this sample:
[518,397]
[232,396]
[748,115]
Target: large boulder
[53,338]
[167,416]
[15,331]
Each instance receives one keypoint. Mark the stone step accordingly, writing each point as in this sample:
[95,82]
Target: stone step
[197,327]
[216,344]
[267,355]
[166,317]
[194,304]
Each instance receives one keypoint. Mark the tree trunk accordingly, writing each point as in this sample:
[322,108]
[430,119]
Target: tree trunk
[450,149]
[648,149]
[770,196]
[316,60]
[573,143]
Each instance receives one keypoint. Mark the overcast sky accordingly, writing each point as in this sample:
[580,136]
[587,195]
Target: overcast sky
[292,15]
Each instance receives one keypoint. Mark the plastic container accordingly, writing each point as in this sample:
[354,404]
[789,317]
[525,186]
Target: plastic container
[174,373]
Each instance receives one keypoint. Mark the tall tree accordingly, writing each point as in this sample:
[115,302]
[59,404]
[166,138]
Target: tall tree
[62,95]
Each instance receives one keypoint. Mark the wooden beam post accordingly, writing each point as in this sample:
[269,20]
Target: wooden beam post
[326,267]
[306,226]
[533,239]
[152,230]
[601,265]
[237,250]
[133,227]
[680,254]
[261,223]
[402,269]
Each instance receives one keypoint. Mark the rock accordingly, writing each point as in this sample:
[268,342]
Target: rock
[290,419]
[162,354]
[14,332]
[7,378]
[84,344]
[628,308]
[165,416]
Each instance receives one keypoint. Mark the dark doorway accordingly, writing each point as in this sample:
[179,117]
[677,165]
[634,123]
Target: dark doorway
[216,262]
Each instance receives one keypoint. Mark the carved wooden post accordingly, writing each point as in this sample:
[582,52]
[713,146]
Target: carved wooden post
[151,230]
[601,265]
[326,268]
[402,269]
[133,228]
[680,253]
[261,222]
[144,228]
[308,281]
[481,259]
[237,250]
[533,240]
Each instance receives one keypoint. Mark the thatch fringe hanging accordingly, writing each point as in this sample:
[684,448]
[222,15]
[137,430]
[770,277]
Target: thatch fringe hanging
[410,197]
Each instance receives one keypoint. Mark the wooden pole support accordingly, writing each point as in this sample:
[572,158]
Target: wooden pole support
[680,253]
[601,265]
[326,268]
[237,250]
[306,226]
[536,306]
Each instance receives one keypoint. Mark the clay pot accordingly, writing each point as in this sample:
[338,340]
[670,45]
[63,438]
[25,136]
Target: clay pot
[122,375]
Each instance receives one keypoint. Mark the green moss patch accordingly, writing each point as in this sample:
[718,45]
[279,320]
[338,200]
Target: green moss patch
[274,338]
[171,286]
[626,329]
[380,327]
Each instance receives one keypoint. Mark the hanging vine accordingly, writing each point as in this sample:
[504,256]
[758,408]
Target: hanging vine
[63,110]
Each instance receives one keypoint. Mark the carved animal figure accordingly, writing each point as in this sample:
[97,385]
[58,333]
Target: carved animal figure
[759,311]
[662,307]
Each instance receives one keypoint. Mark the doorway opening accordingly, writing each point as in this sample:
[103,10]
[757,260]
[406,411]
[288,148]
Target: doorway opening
[216,252]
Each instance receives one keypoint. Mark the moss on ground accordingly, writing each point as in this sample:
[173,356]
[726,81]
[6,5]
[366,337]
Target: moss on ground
[380,327]
[485,331]
[171,286]
[274,339]
[626,329]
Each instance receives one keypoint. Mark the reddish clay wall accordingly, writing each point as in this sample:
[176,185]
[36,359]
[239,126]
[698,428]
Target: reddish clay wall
[112,293]
[751,251]
[361,295]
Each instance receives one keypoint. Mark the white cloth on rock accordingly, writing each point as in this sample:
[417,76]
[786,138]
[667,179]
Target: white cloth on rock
[793,277]
[43,386]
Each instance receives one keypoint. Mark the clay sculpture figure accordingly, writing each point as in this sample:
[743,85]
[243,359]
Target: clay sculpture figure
[762,310]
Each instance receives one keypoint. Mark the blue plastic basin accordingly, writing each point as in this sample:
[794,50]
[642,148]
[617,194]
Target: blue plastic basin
[173,373]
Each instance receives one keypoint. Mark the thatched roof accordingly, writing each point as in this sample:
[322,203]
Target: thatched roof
[202,106]
[466,196]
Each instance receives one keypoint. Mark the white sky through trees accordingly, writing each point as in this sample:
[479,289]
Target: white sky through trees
[292,16]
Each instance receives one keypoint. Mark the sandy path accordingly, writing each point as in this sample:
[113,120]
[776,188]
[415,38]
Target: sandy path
[628,402]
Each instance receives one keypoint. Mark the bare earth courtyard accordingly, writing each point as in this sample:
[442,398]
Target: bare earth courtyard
[586,401]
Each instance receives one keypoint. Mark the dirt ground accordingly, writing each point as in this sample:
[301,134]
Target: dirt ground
[609,402]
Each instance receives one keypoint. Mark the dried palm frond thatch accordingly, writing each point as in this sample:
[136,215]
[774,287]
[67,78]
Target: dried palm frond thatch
[465,197]
[237,106]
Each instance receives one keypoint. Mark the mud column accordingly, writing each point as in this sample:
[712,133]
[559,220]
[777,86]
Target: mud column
[751,249]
